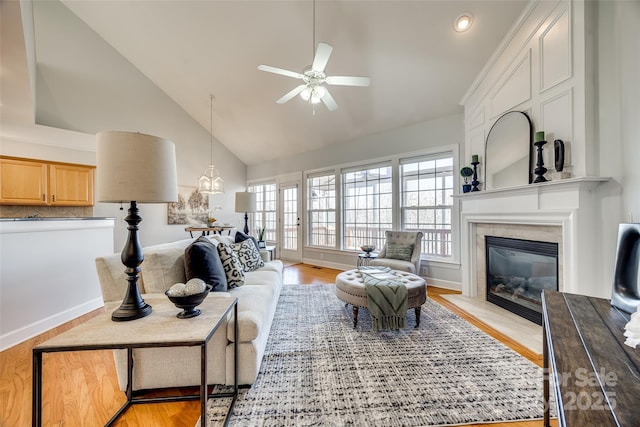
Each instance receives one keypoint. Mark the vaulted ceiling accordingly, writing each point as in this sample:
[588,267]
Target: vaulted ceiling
[420,68]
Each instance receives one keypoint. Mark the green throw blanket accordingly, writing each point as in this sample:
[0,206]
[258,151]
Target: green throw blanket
[387,297]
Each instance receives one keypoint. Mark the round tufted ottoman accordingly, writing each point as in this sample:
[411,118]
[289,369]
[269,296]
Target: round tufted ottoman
[350,289]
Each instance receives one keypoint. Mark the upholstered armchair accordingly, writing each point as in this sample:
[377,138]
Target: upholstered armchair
[401,251]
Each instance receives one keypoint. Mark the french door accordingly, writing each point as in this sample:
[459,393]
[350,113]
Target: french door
[289,218]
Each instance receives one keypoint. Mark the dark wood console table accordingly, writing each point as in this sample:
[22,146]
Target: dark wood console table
[596,376]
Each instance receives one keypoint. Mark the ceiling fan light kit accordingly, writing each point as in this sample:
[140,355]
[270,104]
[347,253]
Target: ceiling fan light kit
[312,89]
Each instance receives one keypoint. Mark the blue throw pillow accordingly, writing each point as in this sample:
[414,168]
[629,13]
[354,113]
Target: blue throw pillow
[202,261]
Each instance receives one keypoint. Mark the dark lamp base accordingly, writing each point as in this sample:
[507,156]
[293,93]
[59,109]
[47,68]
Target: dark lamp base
[125,313]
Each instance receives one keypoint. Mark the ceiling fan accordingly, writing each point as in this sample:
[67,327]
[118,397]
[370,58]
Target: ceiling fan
[313,79]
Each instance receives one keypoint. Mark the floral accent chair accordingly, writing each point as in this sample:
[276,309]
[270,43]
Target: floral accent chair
[401,251]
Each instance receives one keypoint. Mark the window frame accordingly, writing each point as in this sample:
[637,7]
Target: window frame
[438,193]
[373,235]
[309,186]
[261,215]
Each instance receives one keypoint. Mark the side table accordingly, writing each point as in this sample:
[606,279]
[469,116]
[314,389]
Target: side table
[595,375]
[364,258]
[268,253]
[160,329]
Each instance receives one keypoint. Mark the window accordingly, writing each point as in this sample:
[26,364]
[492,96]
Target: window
[426,186]
[367,205]
[321,210]
[265,215]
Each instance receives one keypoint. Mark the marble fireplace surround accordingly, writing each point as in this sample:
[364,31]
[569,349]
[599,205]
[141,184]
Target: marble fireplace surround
[562,211]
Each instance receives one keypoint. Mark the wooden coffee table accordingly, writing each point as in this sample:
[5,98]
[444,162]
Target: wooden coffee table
[160,329]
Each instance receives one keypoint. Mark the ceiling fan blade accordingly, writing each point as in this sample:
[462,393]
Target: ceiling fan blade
[329,101]
[281,71]
[348,80]
[322,57]
[290,95]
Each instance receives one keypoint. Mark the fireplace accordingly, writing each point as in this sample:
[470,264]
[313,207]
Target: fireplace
[517,271]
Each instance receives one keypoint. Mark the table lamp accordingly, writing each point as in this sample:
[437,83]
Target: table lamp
[134,168]
[245,202]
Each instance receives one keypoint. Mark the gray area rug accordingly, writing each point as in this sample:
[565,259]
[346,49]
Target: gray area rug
[319,371]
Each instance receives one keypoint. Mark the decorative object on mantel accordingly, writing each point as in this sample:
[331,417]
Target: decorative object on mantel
[475,182]
[210,181]
[540,170]
[625,293]
[558,152]
[246,202]
[136,168]
[508,152]
[466,172]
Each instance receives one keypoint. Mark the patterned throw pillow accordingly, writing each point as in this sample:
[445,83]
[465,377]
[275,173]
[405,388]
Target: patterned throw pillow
[241,237]
[248,254]
[397,251]
[231,265]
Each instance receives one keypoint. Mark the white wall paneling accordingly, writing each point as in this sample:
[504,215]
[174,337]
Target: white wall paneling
[476,119]
[514,88]
[555,50]
[556,115]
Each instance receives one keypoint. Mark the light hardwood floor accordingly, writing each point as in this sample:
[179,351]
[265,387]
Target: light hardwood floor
[80,388]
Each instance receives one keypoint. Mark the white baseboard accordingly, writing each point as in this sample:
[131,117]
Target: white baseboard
[327,264]
[17,336]
[446,284]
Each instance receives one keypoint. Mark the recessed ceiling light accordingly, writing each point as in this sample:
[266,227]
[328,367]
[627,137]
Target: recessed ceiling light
[463,22]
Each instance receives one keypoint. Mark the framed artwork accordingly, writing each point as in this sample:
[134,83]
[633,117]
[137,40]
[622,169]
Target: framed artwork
[192,207]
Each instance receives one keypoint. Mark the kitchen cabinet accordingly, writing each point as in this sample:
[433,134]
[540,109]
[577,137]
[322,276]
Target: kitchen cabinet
[70,185]
[34,182]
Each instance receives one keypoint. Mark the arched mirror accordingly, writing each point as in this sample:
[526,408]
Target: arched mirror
[508,152]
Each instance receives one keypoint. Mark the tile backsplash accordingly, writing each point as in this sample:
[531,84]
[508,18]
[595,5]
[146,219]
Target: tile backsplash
[11,211]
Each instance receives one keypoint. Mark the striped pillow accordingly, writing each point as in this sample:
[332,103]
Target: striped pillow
[397,251]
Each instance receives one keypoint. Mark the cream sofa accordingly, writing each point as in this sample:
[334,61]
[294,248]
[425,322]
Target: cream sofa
[177,367]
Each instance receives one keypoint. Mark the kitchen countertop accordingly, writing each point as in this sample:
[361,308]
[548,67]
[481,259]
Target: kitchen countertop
[41,218]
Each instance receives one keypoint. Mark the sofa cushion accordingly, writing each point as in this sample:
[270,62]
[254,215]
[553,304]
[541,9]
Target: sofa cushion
[398,251]
[262,277]
[232,266]
[113,280]
[255,305]
[248,255]
[201,260]
[162,269]
[219,238]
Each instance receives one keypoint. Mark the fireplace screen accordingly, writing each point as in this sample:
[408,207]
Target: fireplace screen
[517,273]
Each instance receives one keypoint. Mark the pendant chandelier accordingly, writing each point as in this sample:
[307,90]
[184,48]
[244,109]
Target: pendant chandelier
[210,181]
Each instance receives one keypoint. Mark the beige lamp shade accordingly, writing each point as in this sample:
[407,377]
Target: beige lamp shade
[245,201]
[135,167]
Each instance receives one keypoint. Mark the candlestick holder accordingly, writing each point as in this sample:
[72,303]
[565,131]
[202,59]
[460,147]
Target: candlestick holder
[540,170]
[475,182]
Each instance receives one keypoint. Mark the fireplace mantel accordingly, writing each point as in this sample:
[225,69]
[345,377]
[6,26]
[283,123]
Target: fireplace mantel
[570,204]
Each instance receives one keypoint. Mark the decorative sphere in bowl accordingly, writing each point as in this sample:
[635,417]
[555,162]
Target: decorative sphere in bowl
[188,303]
[367,248]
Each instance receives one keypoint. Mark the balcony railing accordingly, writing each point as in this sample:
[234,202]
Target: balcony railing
[436,242]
